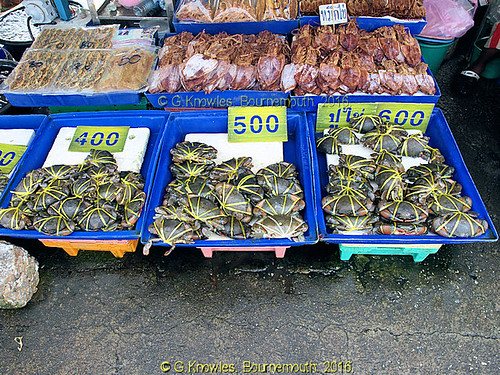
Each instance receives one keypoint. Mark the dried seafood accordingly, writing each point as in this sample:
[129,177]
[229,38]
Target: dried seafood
[344,60]
[220,11]
[403,9]
[220,62]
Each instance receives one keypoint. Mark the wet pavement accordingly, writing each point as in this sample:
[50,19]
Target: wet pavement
[94,314]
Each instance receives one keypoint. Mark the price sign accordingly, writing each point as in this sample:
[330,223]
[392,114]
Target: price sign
[333,14]
[10,156]
[110,138]
[331,115]
[408,115]
[257,124]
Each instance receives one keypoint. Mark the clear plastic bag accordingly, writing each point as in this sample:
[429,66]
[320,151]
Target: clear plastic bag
[128,69]
[66,38]
[195,11]
[278,10]
[235,11]
[448,18]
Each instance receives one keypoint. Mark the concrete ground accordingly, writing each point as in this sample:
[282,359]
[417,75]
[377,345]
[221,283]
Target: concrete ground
[94,314]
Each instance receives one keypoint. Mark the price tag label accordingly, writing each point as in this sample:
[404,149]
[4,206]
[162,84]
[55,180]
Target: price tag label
[331,115]
[408,115]
[110,138]
[257,124]
[10,156]
[333,14]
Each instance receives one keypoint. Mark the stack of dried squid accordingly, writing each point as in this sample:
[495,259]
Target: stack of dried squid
[403,9]
[328,60]
[220,11]
[220,62]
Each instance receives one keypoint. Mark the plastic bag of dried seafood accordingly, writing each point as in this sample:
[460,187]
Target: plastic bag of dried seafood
[236,11]
[278,10]
[65,37]
[128,69]
[195,11]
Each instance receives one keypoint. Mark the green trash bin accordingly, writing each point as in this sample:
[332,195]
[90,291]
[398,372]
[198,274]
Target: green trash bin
[434,51]
[492,69]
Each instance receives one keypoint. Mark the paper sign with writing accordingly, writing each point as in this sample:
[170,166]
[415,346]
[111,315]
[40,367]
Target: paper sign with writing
[257,124]
[10,156]
[110,138]
[408,115]
[333,14]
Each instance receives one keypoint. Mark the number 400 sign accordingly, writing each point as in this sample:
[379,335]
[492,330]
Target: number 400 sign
[110,138]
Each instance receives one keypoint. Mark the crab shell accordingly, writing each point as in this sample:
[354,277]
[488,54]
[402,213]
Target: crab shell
[279,205]
[172,231]
[280,186]
[233,202]
[54,225]
[281,226]
[402,211]
[351,223]
[344,136]
[365,123]
[346,205]
[401,229]
[282,169]
[459,224]
[444,204]
[329,145]
[194,151]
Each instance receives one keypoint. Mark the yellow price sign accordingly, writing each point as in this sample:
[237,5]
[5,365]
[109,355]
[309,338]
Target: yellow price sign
[110,138]
[408,115]
[10,156]
[336,115]
[257,124]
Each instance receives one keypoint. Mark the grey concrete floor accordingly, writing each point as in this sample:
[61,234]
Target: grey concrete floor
[94,314]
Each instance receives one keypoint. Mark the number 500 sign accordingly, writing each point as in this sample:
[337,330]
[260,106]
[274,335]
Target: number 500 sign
[257,124]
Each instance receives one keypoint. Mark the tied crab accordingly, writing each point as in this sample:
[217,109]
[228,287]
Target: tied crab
[459,224]
[247,184]
[132,209]
[101,216]
[54,225]
[171,232]
[444,204]
[351,223]
[282,169]
[230,169]
[405,229]
[329,145]
[347,205]
[391,183]
[234,228]
[281,226]
[280,186]
[193,151]
[344,136]
[365,123]
[402,212]
[279,205]
[199,209]
[233,202]
[189,169]
[385,138]
[365,167]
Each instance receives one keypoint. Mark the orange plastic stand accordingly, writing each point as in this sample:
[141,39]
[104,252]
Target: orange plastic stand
[117,248]
[278,250]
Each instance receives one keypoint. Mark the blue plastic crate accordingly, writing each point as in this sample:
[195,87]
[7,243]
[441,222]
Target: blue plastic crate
[373,23]
[310,103]
[40,147]
[20,122]
[218,99]
[58,100]
[441,138]
[277,27]
[296,151]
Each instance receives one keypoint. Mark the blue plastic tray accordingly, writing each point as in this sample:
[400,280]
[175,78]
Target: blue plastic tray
[296,151]
[218,99]
[20,122]
[310,103]
[53,100]
[277,27]
[40,147]
[373,23]
[440,137]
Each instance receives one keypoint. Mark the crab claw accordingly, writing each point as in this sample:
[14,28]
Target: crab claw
[147,246]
